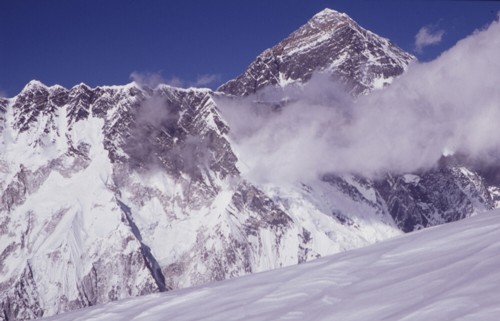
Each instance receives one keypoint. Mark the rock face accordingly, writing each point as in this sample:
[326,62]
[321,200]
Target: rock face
[333,43]
[112,192]
[442,195]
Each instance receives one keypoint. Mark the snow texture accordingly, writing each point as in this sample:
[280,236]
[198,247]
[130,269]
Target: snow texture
[448,272]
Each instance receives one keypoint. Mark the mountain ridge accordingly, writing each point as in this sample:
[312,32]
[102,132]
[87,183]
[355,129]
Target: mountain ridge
[92,187]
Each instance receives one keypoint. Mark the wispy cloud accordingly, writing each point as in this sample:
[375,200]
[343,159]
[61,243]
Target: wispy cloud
[148,79]
[175,81]
[406,127]
[152,80]
[206,79]
[3,93]
[427,36]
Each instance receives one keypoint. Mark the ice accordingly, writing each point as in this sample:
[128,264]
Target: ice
[448,272]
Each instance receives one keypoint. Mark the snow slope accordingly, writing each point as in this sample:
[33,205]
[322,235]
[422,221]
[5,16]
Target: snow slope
[449,272]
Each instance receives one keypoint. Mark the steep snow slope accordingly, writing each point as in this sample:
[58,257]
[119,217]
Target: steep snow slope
[448,272]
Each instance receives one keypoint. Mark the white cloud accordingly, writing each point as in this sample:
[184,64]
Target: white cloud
[427,36]
[206,79]
[3,93]
[147,79]
[448,105]
[175,82]
[152,80]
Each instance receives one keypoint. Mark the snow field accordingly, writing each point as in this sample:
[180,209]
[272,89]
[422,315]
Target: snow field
[449,272]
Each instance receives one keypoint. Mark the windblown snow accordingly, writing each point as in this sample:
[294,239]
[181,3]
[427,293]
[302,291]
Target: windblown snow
[448,272]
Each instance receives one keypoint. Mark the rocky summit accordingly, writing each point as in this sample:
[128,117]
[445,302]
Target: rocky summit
[333,43]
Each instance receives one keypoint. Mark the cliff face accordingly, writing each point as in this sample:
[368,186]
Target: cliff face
[113,192]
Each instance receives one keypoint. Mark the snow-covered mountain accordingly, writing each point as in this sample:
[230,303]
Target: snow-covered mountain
[113,192]
[119,191]
[448,272]
[333,43]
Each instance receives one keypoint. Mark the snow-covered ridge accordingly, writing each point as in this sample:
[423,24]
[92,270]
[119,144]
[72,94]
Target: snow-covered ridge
[447,272]
[329,42]
[143,183]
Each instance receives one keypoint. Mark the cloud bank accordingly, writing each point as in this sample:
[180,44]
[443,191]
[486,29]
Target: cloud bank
[427,36]
[450,105]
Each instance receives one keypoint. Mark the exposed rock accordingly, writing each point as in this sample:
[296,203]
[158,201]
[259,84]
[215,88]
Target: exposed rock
[333,43]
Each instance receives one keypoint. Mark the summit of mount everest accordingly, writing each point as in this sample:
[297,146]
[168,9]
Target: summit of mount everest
[330,42]
[119,191]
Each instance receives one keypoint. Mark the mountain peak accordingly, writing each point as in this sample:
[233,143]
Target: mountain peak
[330,42]
[34,84]
[327,14]
[81,86]
[327,19]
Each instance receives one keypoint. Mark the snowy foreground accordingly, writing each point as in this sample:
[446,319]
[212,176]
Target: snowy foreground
[450,272]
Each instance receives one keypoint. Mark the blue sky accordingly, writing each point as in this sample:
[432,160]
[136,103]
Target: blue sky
[194,42]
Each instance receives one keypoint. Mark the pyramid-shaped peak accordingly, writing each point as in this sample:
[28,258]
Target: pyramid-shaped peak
[328,14]
[328,11]
[330,42]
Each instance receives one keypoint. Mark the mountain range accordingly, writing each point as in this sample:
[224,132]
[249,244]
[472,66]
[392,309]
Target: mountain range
[119,191]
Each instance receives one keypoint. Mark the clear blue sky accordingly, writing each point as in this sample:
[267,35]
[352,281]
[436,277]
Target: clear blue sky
[101,42]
